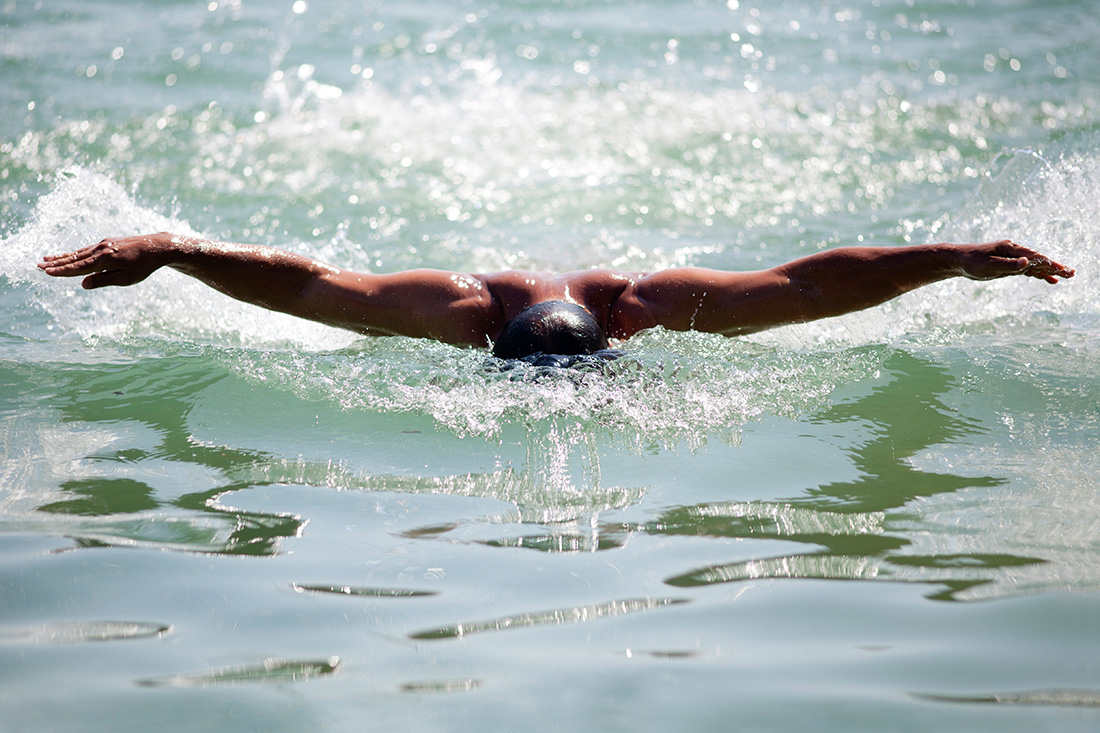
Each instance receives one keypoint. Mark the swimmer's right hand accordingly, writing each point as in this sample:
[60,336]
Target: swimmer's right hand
[113,261]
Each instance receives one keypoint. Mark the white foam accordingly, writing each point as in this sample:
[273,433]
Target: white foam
[486,151]
[85,207]
[1049,204]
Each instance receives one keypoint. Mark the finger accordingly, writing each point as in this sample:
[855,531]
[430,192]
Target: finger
[1045,267]
[81,262]
[1013,265]
[71,269]
[103,279]
[75,254]
[56,260]
[103,246]
[1061,270]
[62,271]
[1049,273]
[1010,249]
[51,258]
[62,261]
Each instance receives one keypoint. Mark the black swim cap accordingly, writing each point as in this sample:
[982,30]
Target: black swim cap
[551,327]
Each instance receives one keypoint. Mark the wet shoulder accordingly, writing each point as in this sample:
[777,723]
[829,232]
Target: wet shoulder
[605,293]
[514,290]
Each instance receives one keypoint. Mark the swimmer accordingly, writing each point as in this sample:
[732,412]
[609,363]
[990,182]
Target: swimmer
[520,314]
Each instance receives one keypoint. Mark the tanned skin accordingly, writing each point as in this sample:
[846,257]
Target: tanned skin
[471,309]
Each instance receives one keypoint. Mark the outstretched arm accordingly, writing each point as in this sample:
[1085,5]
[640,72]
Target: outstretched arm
[826,284]
[446,306]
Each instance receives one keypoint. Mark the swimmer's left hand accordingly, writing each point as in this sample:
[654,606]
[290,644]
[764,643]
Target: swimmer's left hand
[1045,268]
[1005,259]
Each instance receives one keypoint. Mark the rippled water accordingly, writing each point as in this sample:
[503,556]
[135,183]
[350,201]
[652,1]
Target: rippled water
[216,518]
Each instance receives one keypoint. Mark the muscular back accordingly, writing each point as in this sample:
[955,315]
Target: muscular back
[603,293]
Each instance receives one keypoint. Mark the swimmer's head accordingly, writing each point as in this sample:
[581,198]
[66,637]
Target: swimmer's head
[552,327]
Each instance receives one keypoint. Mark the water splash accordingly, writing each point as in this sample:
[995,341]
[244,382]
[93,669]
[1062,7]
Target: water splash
[85,207]
[670,386]
[1047,201]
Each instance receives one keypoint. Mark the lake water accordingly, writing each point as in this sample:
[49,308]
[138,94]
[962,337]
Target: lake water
[216,518]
